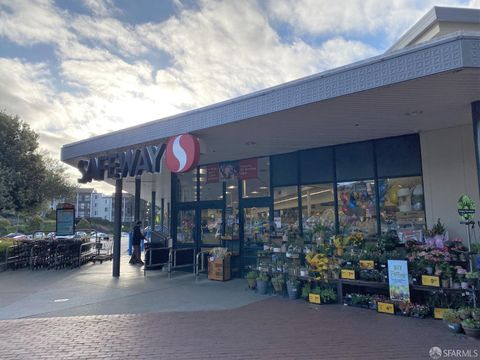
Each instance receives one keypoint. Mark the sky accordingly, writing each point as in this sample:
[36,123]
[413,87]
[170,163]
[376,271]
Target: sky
[74,69]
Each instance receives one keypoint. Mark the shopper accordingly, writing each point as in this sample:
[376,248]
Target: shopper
[136,238]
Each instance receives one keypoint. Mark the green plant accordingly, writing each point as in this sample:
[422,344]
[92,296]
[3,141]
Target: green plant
[387,242]
[473,275]
[306,289]
[475,247]
[471,324]
[262,277]
[465,313]
[251,275]
[293,282]
[446,270]
[278,280]
[328,295]
[438,228]
[451,316]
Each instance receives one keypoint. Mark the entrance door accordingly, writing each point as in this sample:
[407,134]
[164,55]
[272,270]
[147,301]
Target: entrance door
[254,230]
[211,227]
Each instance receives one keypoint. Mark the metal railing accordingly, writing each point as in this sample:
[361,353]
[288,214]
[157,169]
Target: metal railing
[200,259]
[150,258]
[172,260]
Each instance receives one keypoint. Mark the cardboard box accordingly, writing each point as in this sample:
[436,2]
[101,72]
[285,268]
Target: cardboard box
[219,269]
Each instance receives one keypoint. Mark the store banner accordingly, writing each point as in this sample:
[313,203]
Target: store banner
[398,280]
[248,169]
[228,170]
[213,173]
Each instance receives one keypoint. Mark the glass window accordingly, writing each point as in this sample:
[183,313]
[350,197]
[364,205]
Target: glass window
[316,166]
[357,207]
[186,226]
[186,186]
[401,205]
[209,190]
[211,226]
[318,212]
[231,207]
[354,161]
[285,208]
[258,185]
[400,156]
[284,169]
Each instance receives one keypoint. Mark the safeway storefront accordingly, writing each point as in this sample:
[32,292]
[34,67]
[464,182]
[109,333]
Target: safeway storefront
[387,144]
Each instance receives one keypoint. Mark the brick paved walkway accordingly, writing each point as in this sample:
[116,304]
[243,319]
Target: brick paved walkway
[271,329]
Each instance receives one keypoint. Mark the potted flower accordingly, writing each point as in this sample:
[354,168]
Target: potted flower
[437,236]
[340,243]
[461,272]
[262,283]
[251,279]
[419,311]
[453,321]
[471,328]
[292,288]
[278,282]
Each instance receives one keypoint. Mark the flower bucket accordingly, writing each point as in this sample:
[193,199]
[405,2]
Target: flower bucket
[262,287]
[292,291]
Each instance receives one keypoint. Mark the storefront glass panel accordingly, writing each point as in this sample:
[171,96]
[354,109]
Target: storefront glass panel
[402,207]
[318,212]
[256,225]
[186,186]
[285,208]
[357,207]
[258,186]
[209,190]
[211,221]
[186,227]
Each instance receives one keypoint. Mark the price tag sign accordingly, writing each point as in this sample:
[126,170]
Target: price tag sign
[428,280]
[367,264]
[348,274]
[314,298]
[438,313]
[386,308]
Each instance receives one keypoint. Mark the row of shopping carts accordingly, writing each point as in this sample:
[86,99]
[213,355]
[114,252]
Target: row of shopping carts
[50,254]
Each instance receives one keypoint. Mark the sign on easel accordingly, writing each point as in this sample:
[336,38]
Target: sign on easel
[398,280]
[65,224]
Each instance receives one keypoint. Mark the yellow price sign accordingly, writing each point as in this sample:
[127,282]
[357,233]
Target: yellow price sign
[367,264]
[438,313]
[428,280]
[314,298]
[386,308]
[348,274]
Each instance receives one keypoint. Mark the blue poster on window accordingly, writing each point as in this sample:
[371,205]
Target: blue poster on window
[398,280]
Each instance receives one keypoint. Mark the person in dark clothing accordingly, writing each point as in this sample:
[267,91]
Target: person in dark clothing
[136,238]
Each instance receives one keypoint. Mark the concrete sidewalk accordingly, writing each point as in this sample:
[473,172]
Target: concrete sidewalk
[91,290]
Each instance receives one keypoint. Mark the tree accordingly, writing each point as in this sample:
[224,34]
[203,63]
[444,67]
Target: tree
[28,178]
[83,224]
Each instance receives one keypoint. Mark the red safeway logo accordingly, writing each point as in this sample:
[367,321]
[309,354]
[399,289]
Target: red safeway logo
[182,153]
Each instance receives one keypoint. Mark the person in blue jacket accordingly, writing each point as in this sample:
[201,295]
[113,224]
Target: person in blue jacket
[136,238]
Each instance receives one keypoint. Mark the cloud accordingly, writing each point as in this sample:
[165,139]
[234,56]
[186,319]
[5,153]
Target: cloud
[359,17]
[28,22]
[101,7]
[107,74]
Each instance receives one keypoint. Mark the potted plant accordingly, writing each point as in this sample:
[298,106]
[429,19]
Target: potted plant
[340,242]
[464,313]
[461,272]
[453,321]
[328,296]
[292,288]
[472,278]
[419,311]
[306,289]
[251,279]
[262,283]
[445,271]
[278,283]
[471,328]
